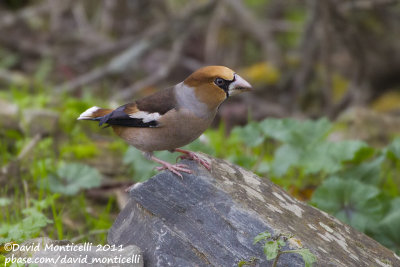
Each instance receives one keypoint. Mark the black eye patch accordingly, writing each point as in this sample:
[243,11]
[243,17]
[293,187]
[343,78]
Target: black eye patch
[223,84]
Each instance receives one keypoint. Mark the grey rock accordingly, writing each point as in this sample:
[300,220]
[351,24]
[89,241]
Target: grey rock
[211,219]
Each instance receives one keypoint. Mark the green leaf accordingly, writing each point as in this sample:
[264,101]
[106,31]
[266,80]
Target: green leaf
[200,146]
[393,150]
[307,256]
[329,156]
[367,172]
[252,135]
[285,157]
[70,178]
[34,220]
[271,249]
[351,201]
[304,146]
[295,132]
[387,230]
[142,167]
[281,243]
[262,236]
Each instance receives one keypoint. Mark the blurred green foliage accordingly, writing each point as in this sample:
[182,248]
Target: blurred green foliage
[30,224]
[353,181]
[72,177]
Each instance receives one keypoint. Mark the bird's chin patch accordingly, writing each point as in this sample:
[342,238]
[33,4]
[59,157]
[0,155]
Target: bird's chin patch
[236,91]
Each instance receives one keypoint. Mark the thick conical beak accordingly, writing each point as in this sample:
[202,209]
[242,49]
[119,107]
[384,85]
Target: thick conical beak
[239,85]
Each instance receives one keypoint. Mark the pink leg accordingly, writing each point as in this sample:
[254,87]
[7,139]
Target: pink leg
[173,168]
[191,155]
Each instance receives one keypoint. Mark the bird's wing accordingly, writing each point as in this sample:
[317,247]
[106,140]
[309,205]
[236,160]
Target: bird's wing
[145,112]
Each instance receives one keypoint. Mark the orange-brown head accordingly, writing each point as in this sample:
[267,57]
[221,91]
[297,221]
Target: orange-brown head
[213,84]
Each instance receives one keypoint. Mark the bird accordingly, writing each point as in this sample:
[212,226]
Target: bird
[172,117]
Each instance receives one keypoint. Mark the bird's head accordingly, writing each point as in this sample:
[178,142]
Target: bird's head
[214,84]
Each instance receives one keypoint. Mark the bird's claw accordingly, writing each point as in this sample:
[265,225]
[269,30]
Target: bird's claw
[175,169]
[195,157]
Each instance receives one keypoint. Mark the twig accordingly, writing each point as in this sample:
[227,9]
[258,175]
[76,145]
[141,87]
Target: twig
[190,63]
[11,77]
[154,37]
[84,27]
[364,4]
[87,78]
[117,64]
[56,10]
[106,18]
[24,152]
[26,192]
[160,74]
[9,19]
[84,55]
[260,30]
[25,46]
[274,264]
[211,40]
[326,49]
[308,50]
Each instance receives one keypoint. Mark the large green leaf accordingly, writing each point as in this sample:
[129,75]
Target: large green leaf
[351,201]
[285,157]
[304,146]
[387,231]
[327,157]
[295,132]
[393,150]
[367,172]
[70,178]
[252,134]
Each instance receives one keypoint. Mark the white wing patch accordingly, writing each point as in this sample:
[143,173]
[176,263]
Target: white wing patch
[145,116]
[88,113]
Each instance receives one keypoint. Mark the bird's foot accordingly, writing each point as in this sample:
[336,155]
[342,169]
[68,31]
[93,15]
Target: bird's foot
[193,156]
[174,168]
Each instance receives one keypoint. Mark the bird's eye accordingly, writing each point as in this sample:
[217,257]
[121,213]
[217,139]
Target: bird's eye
[219,82]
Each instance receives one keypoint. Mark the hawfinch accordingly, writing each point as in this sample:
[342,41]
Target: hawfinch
[173,117]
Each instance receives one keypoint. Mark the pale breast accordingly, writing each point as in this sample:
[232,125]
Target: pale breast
[177,128]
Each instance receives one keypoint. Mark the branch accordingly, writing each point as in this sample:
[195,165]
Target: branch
[157,35]
[24,152]
[118,64]
[10,19]
[160,74]
[260,30]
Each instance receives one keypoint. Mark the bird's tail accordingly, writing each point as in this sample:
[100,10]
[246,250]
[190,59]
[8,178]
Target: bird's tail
[94,114]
